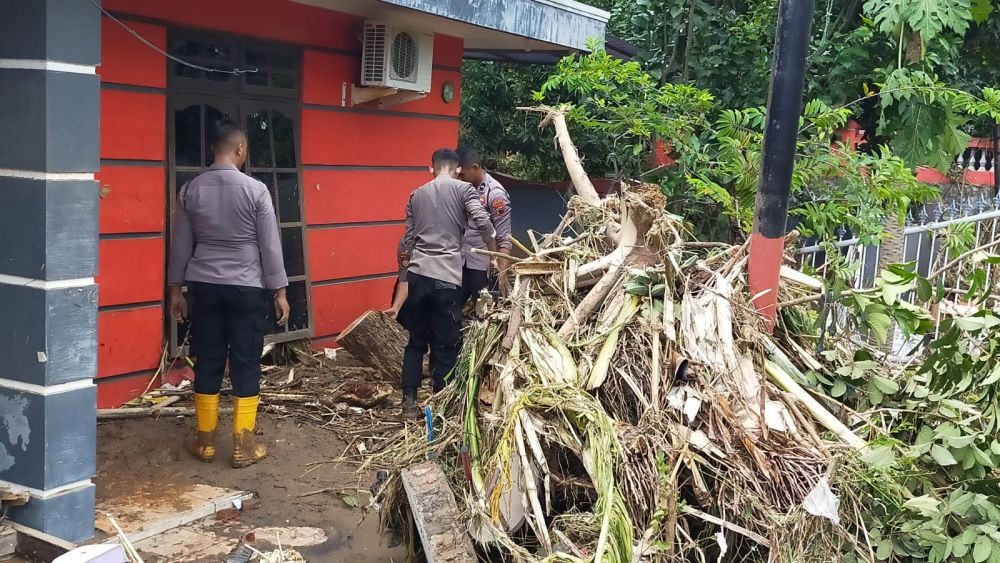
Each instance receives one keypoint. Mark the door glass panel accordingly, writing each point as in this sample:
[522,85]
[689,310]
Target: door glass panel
[283,62]
[213,117]
[268,180]
[259,78]
[291,248]
[288,198]
[299,305]
[283,81]
[255,58]
[206,53]
[187,136]
[284,140]
[182,178]
[259,135]
[271,138]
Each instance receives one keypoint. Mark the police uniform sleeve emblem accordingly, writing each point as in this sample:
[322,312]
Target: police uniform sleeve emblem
[499,206]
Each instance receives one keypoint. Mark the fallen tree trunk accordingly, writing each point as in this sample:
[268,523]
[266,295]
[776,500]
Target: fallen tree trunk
[581,182]
[147,412]
[376,340]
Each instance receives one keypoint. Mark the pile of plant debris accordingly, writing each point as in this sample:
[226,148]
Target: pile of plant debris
[628,401]
[629,404]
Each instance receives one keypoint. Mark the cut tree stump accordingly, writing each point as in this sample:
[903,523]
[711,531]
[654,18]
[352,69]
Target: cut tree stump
[376,340]
[443,531]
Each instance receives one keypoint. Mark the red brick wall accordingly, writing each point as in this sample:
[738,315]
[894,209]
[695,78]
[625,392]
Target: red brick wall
[359,165]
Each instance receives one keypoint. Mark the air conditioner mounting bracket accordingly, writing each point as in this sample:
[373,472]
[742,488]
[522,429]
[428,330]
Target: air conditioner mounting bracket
[386,97]
[365,94]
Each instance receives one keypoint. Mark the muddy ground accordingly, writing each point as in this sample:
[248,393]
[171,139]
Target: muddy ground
[145,457]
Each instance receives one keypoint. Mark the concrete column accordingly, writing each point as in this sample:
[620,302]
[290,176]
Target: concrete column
[49,108]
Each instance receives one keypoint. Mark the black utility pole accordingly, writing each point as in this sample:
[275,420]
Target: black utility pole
[784,106]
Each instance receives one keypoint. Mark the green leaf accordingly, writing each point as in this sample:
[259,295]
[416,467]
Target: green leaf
[942,456]
[981,10]
[993,377]
[961,441]
[961,504]
[878,456]
[960,549]
[839,388]
[884,550]
[348,499]
[984,546]
[970,324]
[925,435]
[892,291]
[924,505]
[948,430]
[924,289]
[885,384]
[880,324]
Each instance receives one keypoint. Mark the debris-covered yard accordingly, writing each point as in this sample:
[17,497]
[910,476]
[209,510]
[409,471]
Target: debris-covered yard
[142,459]
[307,493]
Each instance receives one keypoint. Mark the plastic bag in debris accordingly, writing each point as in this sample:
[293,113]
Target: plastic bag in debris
[822,502]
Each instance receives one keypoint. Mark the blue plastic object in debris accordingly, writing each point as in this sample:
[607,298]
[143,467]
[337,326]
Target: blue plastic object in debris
[430,423]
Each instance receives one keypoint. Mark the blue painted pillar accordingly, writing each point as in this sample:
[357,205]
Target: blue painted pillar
[49,108]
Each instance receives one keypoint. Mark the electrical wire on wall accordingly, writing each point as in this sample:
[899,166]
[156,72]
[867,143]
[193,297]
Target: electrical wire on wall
[177,60]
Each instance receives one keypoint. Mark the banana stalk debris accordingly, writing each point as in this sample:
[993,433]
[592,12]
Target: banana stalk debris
[628,404]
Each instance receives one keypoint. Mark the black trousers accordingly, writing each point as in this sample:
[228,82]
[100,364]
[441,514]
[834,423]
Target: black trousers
[434,321]
[228,322]
[473,281]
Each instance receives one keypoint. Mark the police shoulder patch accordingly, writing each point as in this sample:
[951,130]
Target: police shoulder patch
[499,206]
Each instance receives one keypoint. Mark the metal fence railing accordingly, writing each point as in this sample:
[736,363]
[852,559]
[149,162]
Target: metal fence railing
[933,238]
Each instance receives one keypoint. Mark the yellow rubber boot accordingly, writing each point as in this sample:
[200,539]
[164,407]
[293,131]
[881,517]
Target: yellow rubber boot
[206,410]
[245,449]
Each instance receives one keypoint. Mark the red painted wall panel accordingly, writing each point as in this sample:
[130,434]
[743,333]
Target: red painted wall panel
[282,20]
[336,137]
[125,60]
[130,271]
[357,196]
[112,393]
[349,252]
[132,199]
[324,74]
[434,104]
[129,340]
[133,125]
[448,50]
[336,306]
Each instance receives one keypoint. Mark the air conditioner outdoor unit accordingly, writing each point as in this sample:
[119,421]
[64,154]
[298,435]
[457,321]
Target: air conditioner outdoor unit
[395,57]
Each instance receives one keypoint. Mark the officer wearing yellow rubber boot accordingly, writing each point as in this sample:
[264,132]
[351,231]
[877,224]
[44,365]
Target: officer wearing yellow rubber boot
[226,249]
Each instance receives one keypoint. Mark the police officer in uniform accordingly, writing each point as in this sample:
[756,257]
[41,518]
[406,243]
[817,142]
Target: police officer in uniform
[437,216]
[476,267]
[225,247]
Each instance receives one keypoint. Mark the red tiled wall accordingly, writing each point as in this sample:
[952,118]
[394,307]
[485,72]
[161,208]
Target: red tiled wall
[344,196]
[132,214]
[360,165]
[351,252]
[360,169]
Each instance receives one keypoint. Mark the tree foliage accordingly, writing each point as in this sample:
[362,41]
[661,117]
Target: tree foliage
[904,49]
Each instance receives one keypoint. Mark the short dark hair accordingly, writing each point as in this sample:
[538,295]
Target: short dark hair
[468,157]
[227,132]
[444,157]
